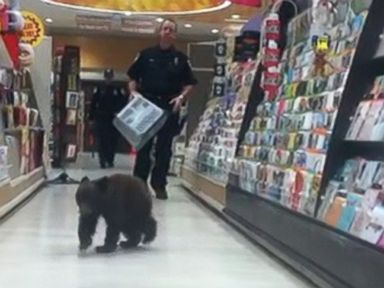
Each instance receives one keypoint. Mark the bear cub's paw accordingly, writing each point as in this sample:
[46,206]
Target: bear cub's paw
[105,249]
[84,245]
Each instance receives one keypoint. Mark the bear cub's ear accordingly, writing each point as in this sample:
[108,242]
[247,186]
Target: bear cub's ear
[102,183]
[85,179]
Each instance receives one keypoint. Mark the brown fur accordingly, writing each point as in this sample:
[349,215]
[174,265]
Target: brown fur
[126,205]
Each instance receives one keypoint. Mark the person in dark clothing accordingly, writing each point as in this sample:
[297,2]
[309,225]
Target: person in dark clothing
[164,76]
[107,101]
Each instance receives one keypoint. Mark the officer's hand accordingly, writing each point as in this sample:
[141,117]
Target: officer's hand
[177,103]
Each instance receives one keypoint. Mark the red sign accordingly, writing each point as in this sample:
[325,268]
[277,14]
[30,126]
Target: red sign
[253,3]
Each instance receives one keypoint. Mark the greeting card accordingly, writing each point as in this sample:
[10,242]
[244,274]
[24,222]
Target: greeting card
[358,120]
[334,212]
[349,211]
[374,230]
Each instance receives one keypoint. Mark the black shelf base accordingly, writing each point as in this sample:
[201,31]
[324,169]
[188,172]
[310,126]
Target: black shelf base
[336,258]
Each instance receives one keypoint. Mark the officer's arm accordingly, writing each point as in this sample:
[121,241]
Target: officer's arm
[189,80]
[186,92]
[135,73]
[94,102]
[132,85]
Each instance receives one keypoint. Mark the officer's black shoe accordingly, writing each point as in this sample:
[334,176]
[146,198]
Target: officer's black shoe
[103,166]
[111,165]
[161,193]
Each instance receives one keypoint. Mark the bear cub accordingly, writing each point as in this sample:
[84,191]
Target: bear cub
[126,205]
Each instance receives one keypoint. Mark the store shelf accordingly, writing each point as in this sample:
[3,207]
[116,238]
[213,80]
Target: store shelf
[372,150]
[4,182]
[376,145]
[19,129]
[298,237]
[258,197]
[377,65]
[204,184]
[15,191]
[26,177]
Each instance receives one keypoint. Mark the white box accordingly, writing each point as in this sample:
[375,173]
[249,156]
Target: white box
[140,120]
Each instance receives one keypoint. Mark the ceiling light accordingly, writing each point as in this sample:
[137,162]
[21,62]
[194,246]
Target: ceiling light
[235,16]
[188,25]
[215,31]
[159,19]
[48,20]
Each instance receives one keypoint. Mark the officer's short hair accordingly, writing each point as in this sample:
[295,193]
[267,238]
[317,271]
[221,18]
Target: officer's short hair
[168,20]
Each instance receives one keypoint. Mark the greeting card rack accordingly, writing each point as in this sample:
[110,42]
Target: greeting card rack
[213,144]
[66,105]
[22,146]
[336,237]
[67,111]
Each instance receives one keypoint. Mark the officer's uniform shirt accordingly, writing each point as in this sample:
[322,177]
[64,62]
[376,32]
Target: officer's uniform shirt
[106,102]
[161,74]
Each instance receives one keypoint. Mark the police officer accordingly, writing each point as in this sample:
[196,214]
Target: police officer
[163,75]
[107,101]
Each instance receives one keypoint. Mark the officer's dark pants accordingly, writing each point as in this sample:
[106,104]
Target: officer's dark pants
[107,137]
[163,154]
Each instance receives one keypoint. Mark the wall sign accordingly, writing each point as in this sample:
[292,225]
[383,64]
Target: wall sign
[33,32]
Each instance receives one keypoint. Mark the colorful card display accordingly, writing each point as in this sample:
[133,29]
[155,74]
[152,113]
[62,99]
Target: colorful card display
[368,121]
[354,200]
[284,151]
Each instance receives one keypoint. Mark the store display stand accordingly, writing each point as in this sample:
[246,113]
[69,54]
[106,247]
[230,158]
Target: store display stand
[22,134]
[328,256]
[66,108]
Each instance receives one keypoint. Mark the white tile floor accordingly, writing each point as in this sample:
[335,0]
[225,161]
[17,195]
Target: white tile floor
[38,248]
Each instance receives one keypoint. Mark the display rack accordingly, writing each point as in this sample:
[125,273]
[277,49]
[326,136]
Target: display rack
[67,124]
[222,127]
[320,214]
[287,143]
[21,132]
[212,146]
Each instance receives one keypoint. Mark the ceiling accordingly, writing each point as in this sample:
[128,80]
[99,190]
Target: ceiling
[65,20]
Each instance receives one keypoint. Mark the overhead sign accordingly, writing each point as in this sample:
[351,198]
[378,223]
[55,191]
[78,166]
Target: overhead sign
[33,32]
[115,23]
[138,26]
[98,23]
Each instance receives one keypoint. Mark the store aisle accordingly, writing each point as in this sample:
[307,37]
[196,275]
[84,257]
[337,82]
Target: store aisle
[38,248]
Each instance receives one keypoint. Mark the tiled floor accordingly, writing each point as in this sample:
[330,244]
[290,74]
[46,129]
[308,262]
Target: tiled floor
[38,248]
